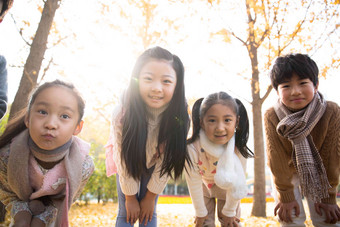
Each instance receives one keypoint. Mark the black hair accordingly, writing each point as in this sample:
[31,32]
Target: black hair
[173,126]
[17,124]
[7,4]
[300,64]
[242,131]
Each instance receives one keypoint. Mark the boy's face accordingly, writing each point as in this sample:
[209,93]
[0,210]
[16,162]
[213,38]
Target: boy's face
[296,93]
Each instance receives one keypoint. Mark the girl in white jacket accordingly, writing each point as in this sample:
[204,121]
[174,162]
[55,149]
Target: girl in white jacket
[218,153]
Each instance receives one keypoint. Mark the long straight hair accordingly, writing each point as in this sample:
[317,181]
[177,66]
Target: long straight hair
[15,126]
[242,131]
[173,125]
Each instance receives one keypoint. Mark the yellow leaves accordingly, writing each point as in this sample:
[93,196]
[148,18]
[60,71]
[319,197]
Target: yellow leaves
[225,35]
[40,9]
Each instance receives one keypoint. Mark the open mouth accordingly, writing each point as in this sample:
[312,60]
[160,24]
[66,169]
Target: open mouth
[220,136]
[155,97]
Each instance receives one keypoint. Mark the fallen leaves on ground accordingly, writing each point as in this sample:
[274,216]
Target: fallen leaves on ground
[169,215]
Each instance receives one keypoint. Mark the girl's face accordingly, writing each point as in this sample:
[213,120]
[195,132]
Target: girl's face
[157,83]
[219,123]
[296,93]
[53,118]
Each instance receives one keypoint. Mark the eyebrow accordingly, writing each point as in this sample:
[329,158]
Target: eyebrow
[227,115]
[47,104]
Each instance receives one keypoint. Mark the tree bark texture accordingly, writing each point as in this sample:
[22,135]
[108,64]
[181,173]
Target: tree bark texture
[34,60]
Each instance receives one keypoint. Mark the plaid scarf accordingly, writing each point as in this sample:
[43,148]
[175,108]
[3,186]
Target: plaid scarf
[296,127]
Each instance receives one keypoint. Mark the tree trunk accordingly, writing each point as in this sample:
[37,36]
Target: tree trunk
[259,204]
[35,57]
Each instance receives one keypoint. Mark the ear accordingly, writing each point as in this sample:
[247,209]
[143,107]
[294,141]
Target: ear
[78,128]
[202,125]
[237,121]
[26,120]
[316,88]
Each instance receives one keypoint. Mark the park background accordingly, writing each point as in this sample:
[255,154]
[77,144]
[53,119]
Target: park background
[224,45]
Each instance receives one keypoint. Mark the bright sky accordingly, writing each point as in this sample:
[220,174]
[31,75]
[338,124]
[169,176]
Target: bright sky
[98,58]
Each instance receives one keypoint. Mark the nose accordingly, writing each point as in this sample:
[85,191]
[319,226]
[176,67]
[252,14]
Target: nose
[156,86]
[51,123]
[296,90]
[220,127]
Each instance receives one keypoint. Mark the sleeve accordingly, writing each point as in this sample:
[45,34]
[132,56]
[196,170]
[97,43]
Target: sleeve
[112,144]
[3,86]
[113,161]
[330,151]
[230,205]
[12,203]
[194,182]
[87,170]
[279,159]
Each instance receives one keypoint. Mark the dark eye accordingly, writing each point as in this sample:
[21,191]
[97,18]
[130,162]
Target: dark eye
[65,116]
[227,120]
[211,120]
[147,78]
[43,112]
[167,81]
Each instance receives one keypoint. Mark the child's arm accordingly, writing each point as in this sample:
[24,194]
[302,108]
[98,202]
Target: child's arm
[147,206]
[279,158]
[132,209]
[194,182]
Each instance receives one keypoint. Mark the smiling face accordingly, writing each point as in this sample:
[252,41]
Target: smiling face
[53,118]
[219,123]
[296,93]
[157,83]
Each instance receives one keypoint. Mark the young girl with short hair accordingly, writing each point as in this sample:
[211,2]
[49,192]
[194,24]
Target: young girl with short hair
[148,137]
[218,153]
[43,165]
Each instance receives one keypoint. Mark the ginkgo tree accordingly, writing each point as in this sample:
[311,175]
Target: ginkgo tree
[268,29]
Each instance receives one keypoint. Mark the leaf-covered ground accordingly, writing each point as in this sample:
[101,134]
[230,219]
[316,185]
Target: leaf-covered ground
[169,215]
[175,215]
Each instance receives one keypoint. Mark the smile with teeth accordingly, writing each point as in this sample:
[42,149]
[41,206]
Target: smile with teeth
[155,97]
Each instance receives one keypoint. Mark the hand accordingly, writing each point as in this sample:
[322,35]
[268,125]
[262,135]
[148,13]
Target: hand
[230,221]
[147,206]
[332,212]
[36,207]
[285,210]
[22,219]
[132,209]
[199,221]
[36,222]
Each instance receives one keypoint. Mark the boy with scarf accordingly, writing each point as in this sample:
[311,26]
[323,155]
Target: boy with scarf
[303,144]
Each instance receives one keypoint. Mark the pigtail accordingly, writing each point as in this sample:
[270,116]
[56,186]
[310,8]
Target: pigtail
[242,131]
[196,122]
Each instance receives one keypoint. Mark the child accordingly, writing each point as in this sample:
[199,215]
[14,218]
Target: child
[148,136]
[218,152]
[303,144]
[43,166]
